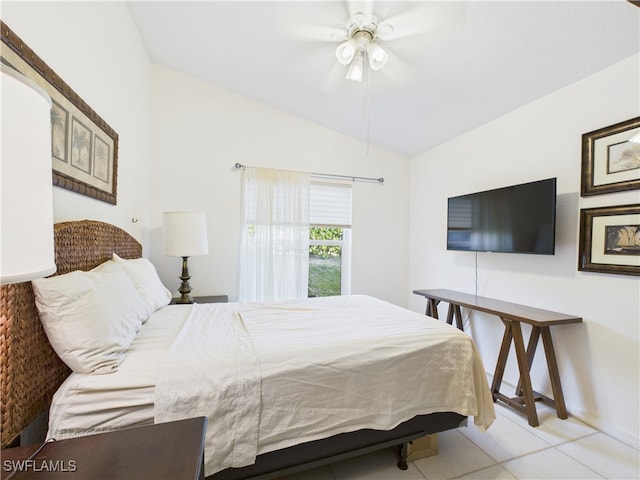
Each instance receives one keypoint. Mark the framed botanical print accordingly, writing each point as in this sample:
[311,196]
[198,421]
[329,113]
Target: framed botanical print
[610,239]
[84,148]
[611,158]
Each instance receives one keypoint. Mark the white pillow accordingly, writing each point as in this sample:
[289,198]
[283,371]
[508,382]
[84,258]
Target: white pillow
[90,318]
[145,278]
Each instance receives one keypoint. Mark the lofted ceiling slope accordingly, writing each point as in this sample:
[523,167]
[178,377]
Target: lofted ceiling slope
[453,65]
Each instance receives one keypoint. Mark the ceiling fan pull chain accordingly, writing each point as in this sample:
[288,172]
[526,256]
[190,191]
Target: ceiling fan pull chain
[368,106]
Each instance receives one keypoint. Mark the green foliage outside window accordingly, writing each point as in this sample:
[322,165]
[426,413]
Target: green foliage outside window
[325,233]
[325,262]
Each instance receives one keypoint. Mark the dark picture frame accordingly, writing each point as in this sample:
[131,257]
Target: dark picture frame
[610,163]
[84,148]
[610,239]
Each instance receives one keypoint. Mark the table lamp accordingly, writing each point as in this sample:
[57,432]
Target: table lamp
[26,203]
[185,235]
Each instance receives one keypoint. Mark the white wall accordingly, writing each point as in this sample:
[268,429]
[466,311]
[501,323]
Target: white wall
[598,359]
[96,49]
[200,131]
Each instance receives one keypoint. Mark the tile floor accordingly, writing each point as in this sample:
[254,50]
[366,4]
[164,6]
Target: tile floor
[510,449]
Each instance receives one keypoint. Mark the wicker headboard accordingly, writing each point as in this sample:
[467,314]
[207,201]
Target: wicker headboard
[30,371]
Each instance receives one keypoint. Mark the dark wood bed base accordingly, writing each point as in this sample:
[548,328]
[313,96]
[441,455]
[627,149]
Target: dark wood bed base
[345,445]
[31,371]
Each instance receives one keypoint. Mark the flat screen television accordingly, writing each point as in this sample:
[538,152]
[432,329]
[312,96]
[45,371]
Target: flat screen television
[514,219]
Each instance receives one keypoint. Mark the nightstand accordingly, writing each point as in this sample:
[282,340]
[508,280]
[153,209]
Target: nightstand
[206,299]
[172,450]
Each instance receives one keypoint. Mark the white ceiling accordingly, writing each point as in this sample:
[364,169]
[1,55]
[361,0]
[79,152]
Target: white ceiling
[453,65]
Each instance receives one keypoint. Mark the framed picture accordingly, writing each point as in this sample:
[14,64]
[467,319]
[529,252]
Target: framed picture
[610,162]
[610,240]
[84,148]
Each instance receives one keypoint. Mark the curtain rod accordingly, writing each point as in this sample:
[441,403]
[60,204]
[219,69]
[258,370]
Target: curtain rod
[239,166]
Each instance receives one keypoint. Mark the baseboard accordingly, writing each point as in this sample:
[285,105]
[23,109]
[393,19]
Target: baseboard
[624,436]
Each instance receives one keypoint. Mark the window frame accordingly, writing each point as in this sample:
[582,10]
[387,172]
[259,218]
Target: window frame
[345,256]
[344,224]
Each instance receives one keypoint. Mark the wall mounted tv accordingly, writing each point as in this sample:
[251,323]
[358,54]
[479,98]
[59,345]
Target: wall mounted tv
[514,219]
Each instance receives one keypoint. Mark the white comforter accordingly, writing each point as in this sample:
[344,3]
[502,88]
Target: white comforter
[270,376]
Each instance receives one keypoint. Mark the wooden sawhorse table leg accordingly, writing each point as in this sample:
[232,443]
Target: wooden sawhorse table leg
[432,308]
[453,312]
[526,396]
[554,375]
[557,401]
[525,403]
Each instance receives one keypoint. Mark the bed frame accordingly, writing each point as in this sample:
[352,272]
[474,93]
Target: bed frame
[31,372]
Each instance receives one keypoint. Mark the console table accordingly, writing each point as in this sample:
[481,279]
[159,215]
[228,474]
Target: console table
[512,315]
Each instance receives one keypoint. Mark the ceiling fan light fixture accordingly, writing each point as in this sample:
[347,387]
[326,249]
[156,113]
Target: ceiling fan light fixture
[356,69]
[377,55]
[362,34]
[346,51]
[361,20]
[362,39]
[384,31]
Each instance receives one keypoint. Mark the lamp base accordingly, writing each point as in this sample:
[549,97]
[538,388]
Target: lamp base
[185,288]
[183,299]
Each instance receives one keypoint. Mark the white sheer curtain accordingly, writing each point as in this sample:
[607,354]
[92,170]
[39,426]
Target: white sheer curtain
[274,251]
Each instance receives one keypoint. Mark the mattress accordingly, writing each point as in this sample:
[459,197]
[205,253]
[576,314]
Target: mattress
[269,376]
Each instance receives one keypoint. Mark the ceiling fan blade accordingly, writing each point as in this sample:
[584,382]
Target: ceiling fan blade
[385,31]
[312,21]
[424,17]
[317,67]
[359,6]
[318,33]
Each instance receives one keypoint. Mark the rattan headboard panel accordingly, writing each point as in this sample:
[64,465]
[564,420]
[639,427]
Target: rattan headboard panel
[30,371]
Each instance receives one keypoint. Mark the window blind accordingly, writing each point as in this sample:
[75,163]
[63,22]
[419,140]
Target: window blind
[330,205]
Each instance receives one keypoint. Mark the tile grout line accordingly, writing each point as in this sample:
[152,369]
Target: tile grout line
[577,459]
[549,447]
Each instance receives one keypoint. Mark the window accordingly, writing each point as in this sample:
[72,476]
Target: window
[330,240]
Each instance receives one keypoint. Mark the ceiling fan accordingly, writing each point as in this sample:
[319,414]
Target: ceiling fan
[362,45]
[368,36]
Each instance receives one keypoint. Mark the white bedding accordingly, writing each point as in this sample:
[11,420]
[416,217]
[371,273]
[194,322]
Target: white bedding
[211,370]
[86,404]
[308,370]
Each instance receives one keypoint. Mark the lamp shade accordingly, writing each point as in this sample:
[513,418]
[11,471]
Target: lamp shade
[185,234]
[26,204]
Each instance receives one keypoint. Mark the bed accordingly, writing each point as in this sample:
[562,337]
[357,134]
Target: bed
[342,406]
